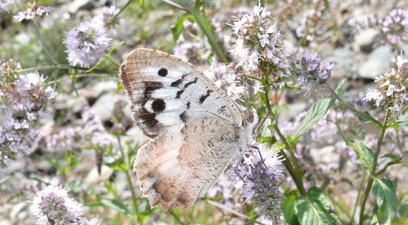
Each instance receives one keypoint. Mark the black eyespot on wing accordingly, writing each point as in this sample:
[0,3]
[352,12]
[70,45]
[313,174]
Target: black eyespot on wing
[158,105]
[188,105]
[162,72]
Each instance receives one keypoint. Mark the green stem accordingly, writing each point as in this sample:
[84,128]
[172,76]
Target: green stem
[360,190]
[373,169]
[129,180]
[42,42]
[205,27]
[294,171]
[113,19]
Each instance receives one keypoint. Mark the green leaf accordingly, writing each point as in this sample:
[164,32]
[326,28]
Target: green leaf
[326,4]
[403,210]
[177,28]
[313,209]
[116,206]
[400,124]
[207,29]
[316,112]
[287,205]
[364,154]
[386,199]
[365,117]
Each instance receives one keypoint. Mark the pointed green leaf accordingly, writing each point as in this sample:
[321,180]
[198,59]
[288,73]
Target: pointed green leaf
[313,209]
[364,154]
[386,199]
[177,28]
[116,206]
[316,112]
[287,205]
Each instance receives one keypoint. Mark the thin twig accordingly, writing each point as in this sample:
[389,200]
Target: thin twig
[231,211]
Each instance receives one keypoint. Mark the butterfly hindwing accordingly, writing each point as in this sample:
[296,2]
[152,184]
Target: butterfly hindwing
[180,166]
[166,91]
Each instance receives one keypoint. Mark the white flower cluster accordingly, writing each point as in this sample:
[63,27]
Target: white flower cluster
[4,4]
[391,91]
[22,102]
[226,78]
[34,10]
[258,41]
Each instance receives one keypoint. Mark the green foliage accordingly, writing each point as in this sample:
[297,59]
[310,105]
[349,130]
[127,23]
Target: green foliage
[316,112]
[386,199]
[288,205]
[313,209]
[177,28]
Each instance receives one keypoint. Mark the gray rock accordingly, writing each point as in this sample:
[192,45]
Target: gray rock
[105,105]
[377,63]
[365,39]
[345,60]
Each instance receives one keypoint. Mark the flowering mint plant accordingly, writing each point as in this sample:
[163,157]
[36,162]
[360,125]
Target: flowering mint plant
[324,82]
[23,99]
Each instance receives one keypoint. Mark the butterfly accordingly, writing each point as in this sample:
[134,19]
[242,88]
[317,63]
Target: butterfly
[195,128]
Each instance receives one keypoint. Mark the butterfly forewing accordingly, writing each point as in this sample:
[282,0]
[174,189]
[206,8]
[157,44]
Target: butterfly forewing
[166,91]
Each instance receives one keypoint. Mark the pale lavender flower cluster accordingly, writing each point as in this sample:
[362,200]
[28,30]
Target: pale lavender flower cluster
[34,10]
[257,175]
[88,135]
[310,71]
[258,41]
[95,130]
[395,26]
[4,4]
[22,102]
[391,88]
[52,205]
[88,41]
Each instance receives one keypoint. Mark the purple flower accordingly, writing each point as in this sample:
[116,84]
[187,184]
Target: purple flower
[88,135]
[395,26]
[21,104]
[52,205]
[311,71]
[257,175]
[87,42]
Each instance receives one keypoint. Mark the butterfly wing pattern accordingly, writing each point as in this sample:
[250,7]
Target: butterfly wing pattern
[196,128]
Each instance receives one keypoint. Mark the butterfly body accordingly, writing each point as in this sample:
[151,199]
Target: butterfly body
[196,128]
